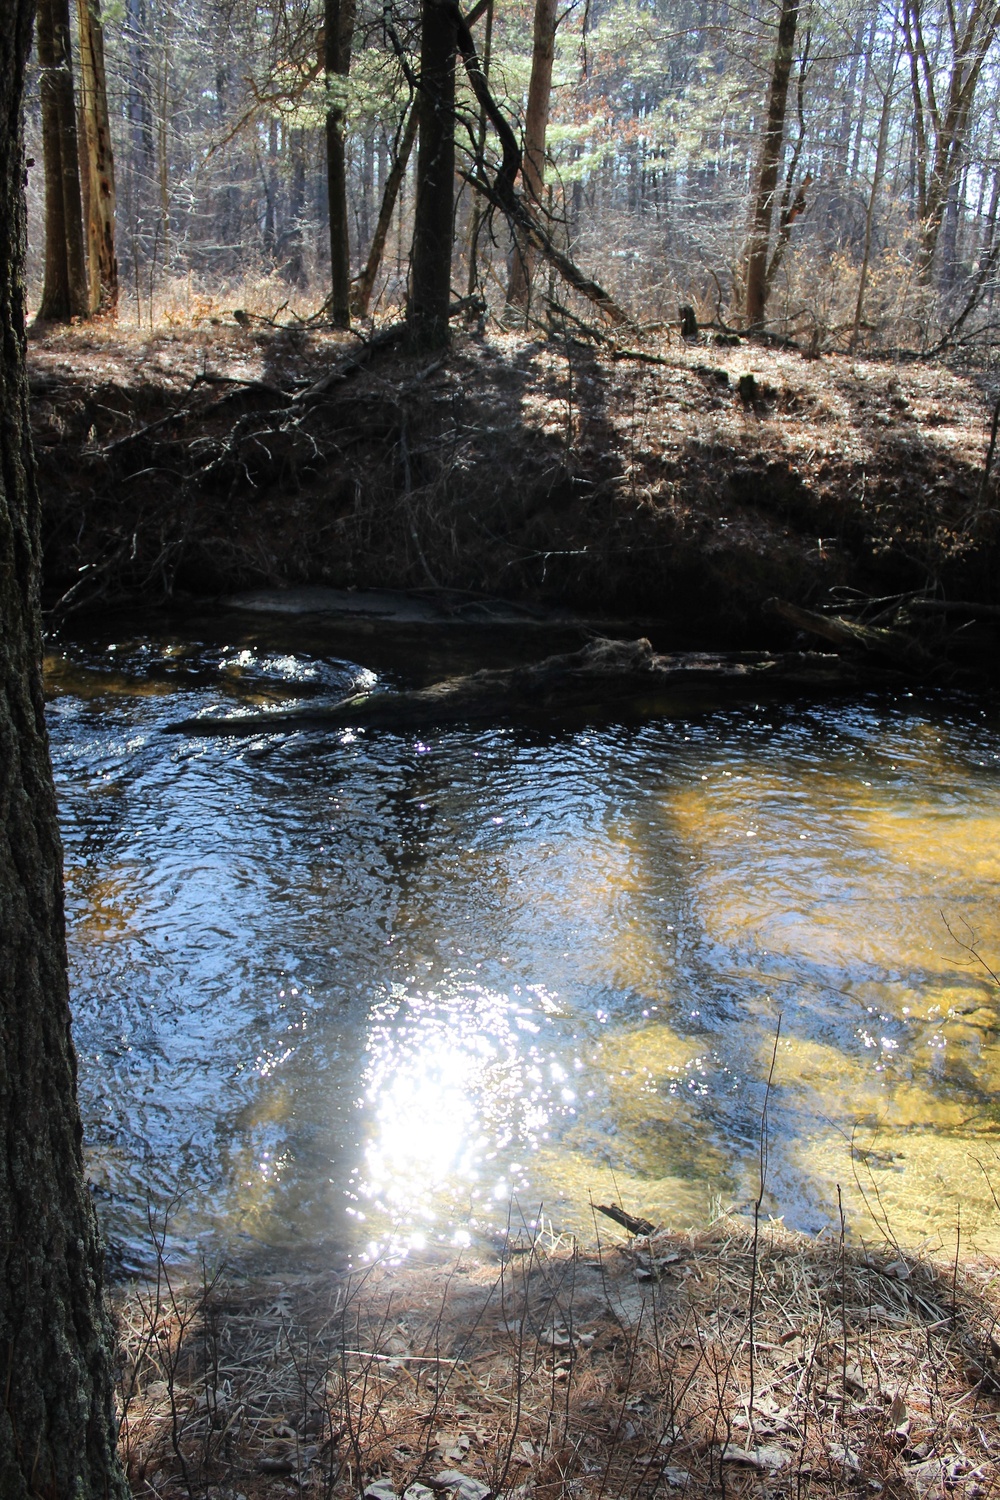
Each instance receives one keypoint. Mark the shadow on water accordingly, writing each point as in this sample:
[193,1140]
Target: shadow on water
[330,989]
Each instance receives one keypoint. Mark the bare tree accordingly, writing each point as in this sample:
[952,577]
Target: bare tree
[940,123]
[339,30]
[99,177]
[393,182]
[758,243]
[876,183]
[429,298]
[65,294]
[535,125]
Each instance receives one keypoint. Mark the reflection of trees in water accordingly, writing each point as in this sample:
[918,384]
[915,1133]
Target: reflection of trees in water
[853,1050]
[580,895]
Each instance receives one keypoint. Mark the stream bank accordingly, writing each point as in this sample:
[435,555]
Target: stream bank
[200,462]
[735,1362]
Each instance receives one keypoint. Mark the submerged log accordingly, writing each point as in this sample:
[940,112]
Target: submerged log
[604,672]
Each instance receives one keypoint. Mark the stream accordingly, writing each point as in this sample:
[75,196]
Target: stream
[335,993]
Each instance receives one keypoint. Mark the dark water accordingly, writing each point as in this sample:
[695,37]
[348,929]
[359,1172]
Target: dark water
[332,990]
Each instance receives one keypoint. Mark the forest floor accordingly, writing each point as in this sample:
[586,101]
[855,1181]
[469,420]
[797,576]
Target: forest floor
[727,1364]
[685,484]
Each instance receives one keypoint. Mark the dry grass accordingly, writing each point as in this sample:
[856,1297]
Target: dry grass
[705,1364]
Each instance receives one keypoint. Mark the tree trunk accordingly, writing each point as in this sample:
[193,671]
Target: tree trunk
[364,215]
[294,269]
[57,1430]
[102,262]
[270,179]
[339,31]
[64,293]
[139,108]
[476,217]
[429,301]
[860,128]
[948,271]
[770,162]
[883,140]
[366,284]
[535,125]
[940,128]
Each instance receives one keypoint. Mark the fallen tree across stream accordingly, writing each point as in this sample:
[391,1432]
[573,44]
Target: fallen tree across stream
[602,673]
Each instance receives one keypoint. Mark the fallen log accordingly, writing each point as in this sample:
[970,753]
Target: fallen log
[602,673]
[891,645]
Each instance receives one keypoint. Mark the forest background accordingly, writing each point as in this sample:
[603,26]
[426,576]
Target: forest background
[881,212]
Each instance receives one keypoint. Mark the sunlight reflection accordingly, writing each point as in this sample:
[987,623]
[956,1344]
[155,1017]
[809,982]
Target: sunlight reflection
[452,1083]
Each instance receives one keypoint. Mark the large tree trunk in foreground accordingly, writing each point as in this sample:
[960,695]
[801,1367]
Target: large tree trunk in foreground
[99,179]
[339,31]
[429,301]
[536,122]
[65,294]
[770,163]
[56,1423]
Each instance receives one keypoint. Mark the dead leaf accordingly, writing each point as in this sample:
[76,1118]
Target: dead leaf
[898,1270]
[846,1457]
[462,1486]
[767,1459]
[380,1489]
[927,1479]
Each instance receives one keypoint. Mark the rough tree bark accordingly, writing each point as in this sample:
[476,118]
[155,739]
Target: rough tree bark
[535,125]
[64,292]
[429,300]
[770,162]
[57,1435]
[99,179]
[338,32]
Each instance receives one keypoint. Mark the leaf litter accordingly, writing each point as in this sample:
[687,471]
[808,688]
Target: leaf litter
[562,1374]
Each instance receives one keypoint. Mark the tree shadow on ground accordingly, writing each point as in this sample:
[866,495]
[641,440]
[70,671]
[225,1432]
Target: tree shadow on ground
[734,1362]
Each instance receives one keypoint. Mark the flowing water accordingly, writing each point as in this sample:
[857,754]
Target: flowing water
[337,990]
